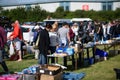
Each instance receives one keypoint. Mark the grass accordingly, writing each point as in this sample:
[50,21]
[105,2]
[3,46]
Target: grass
[99,71]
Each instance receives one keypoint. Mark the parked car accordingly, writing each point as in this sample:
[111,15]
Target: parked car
[27,33]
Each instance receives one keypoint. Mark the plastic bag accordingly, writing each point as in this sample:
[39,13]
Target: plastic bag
[12,50]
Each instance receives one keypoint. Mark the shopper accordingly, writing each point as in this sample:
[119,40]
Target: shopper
[3,41]
[54,41]
[44,43]
[17,38]
[63,34]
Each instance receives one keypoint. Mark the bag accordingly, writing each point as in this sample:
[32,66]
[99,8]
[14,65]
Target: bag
[36,45]
[101,53]
[73,76]
[59,50]
[12,50]
[69,51]
[14,57]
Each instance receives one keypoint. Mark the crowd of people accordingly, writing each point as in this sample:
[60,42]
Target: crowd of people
[52,36]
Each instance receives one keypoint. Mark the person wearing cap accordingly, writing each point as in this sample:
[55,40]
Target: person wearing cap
[35,30]
[75,29]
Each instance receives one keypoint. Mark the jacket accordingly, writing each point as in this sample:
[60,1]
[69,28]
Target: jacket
[17,33]
[3,37]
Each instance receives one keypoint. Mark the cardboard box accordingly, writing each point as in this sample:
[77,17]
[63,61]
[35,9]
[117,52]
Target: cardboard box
[51,77]
[49,69]
[29,77]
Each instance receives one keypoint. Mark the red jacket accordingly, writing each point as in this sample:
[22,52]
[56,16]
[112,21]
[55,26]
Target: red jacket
[17,33]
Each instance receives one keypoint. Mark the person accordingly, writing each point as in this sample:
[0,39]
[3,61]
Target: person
[54,40]
[16,36]
[112,29]
[3,41]
[35,30]
[81,30]
[85,37]
[72,35]
[63,33]
[109,36]
[75,29]
[97,31]
[117,29]
[44,43]
[105,28]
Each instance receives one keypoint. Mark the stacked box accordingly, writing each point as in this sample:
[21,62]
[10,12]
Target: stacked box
[49,69]
[51,77]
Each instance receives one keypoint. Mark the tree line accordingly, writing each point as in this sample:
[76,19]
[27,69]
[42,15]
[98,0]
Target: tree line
[37,14]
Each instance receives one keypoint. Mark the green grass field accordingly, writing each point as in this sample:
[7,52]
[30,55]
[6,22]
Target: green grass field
[99,71]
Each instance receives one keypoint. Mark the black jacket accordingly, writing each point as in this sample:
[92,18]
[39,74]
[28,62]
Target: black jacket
[44,41]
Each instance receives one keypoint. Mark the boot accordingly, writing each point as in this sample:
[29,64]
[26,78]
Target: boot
[3,64]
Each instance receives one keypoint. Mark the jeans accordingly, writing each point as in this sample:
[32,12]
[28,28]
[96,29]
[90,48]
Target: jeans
[4,54]
[42,59]
[3,64]
[96,37]
[52,49]
[1,57]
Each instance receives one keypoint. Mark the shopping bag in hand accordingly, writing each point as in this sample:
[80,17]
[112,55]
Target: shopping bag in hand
[12,50]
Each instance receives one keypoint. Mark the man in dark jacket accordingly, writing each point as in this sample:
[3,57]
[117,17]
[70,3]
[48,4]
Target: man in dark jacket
[44,44]
[3,41]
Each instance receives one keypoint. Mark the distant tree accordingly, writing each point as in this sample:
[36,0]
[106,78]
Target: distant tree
[59,13]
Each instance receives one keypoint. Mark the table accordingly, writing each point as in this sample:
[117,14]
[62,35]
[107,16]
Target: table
[87,47]
[112,43]
[62,56]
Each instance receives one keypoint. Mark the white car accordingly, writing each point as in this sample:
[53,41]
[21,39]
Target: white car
[28,36]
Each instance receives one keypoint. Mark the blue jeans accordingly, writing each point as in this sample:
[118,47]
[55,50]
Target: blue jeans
[52,49]
[96,37]
[42,59]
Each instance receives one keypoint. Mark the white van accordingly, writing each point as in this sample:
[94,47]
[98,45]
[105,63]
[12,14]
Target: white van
[80,19]
[60,21]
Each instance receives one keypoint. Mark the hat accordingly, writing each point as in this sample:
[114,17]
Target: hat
[75,24]
[36,27]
